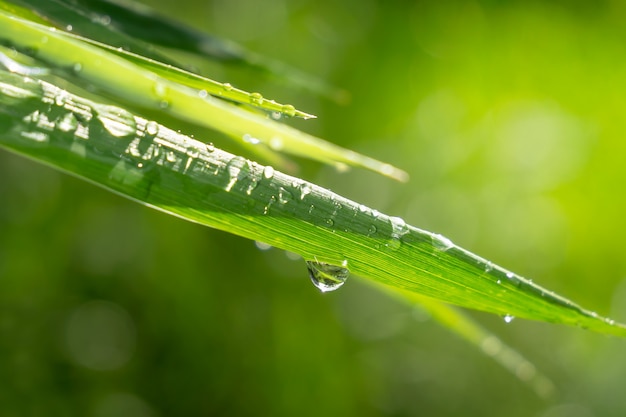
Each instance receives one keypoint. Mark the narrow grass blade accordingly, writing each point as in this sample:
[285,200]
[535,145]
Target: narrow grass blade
[69,15]
[132,25]
[137,87]
[488,343]
[156,166]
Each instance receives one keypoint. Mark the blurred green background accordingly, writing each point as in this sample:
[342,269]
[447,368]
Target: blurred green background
[509,116]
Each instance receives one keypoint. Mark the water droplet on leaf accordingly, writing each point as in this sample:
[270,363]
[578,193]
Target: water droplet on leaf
[327,277]
[398,229]
[442,243]
[268,172]
[251,139]
[152,128]
[256,98]
[235,167]
[289,110]
[508,318]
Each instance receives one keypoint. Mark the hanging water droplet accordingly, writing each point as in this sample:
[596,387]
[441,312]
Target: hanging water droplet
[327,277]
[202,94]
[69,28]
[152,128]
[442,243]
[508,318]
[488,266]
[227,87]
[268,172]
[262,246]
[276,115]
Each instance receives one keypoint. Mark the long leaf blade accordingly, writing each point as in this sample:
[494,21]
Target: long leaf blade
[166,170]
[139,87]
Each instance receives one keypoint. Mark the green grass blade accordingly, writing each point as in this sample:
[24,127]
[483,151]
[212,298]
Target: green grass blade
[71,17]
[132,25]
[136,86]
[156,166]
[488,343]
[63,15]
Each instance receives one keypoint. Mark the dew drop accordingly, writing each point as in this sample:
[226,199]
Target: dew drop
[202,94]
[442,243]
[209,147]
[234,168]
[116,121]
[284,196]
[256,98]
[305,189]
[77,67]
[276,115]
[251,186]
[276,143]
[227,87]
[371,230]
[270,203]
[289,110]
[160,89]
[330,222]
[152,128]
[488,267]
[268,172]
[262,246]
[398,229]
[251,139]
[59,100]
[327,277]
[508,318]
